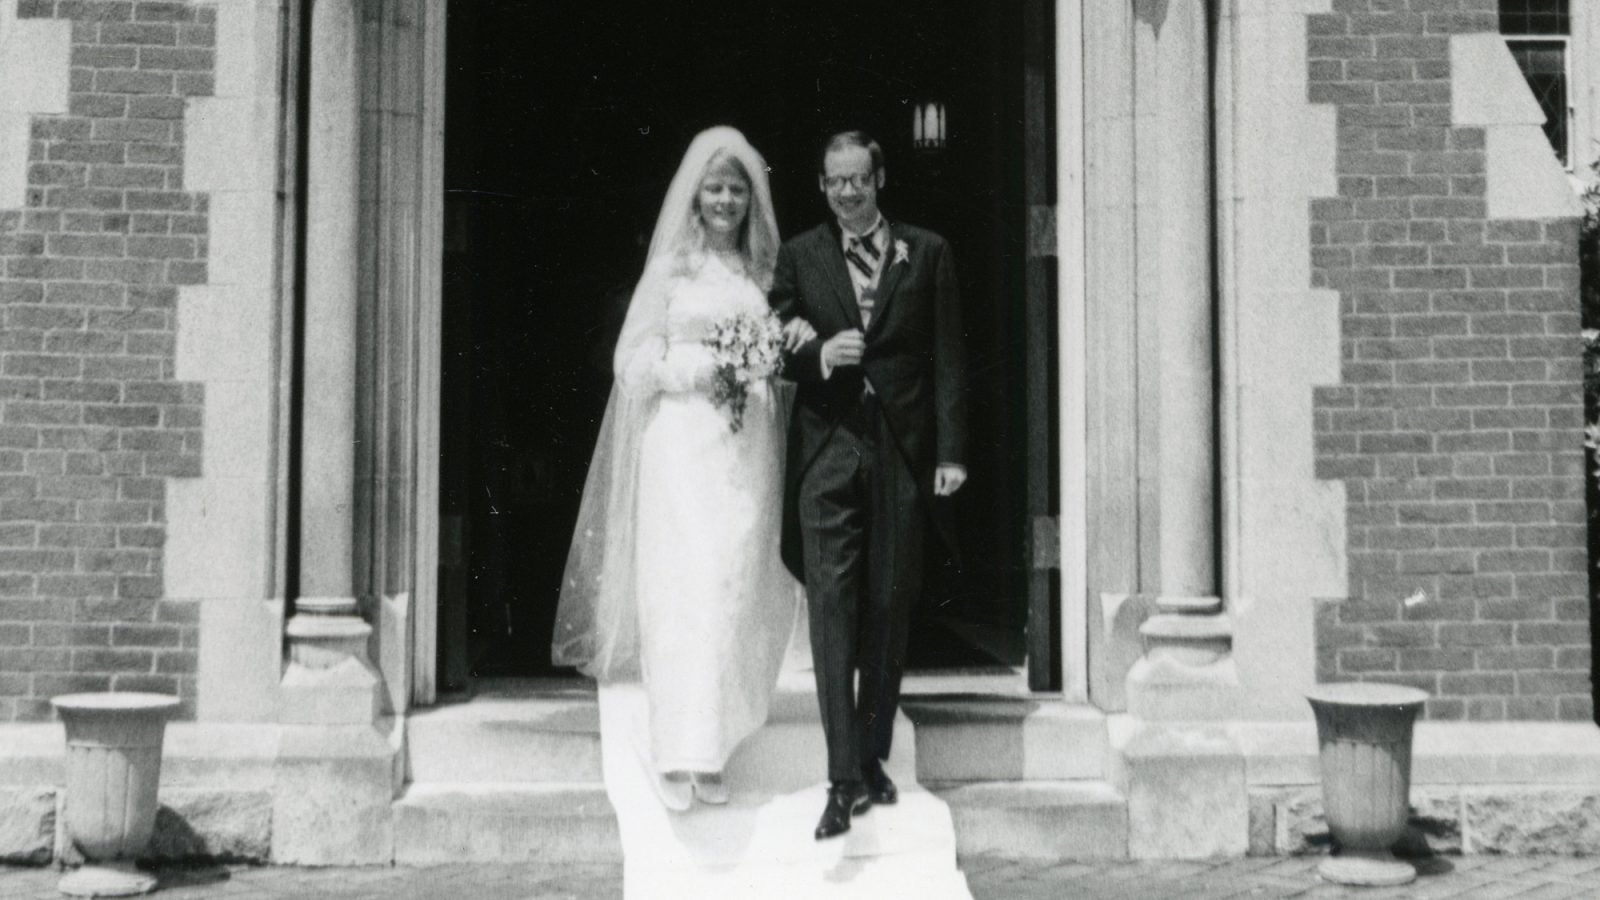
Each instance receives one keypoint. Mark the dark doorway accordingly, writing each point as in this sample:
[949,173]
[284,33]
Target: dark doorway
[565,121]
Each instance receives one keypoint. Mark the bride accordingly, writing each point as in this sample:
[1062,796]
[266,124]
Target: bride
[674,576]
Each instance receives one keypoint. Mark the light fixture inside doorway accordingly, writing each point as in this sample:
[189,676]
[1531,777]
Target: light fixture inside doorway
[928,126]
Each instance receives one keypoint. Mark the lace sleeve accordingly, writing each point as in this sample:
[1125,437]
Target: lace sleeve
[647,362]
[642,345]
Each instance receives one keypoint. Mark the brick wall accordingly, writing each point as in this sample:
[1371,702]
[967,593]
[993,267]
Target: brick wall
[1457,427]
[92,422]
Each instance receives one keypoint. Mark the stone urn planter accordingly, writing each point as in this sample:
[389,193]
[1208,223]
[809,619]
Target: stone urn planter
[1364,734]
[113,769]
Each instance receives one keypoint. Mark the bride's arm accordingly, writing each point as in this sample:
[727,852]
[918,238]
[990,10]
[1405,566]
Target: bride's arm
[646,362]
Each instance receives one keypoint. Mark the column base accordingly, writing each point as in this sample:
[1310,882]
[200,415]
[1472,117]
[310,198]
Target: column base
[1188,638]
[323,642]
[1161,690]
[346,694]
[1182,604]
[330,680]
[1187,671]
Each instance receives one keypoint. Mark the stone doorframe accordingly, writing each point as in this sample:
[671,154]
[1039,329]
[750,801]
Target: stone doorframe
[405,124]
[1143,414]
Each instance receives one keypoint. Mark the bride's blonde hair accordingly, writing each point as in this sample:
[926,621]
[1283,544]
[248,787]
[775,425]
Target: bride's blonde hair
[680,238]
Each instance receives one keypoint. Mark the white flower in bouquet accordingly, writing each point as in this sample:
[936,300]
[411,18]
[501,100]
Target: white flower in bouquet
[746,349]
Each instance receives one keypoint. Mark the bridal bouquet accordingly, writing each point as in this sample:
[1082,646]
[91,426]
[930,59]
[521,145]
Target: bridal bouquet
[747,348]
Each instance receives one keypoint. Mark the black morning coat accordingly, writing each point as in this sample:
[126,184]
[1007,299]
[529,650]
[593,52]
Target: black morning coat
[915,358]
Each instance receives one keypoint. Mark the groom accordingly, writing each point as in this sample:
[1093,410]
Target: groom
[878,432]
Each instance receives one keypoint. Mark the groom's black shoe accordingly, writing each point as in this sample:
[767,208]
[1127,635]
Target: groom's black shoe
[880,787]
[845,798]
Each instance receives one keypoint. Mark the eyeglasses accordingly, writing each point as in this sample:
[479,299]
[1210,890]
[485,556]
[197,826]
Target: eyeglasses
[835,183]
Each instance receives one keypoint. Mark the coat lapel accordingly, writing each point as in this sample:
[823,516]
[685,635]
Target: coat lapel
[889,280]
[839,274]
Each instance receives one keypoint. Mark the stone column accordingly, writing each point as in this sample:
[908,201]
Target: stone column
[1182,772]
[336,772]
[331,251]
[330,679]
[1184,328]
[1188,636]
[1172,101]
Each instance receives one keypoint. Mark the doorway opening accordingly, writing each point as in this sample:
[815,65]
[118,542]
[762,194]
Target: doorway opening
[564,123]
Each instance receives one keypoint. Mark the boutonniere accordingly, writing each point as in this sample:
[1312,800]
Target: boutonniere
[902,252]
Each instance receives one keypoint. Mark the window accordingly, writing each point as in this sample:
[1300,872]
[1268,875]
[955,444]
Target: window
[1538,32]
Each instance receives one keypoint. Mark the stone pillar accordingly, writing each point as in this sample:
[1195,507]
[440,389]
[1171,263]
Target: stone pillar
[1183,774]
[1175,147]
[327,545]
[330,680]
[1187,638]
[337,768]
[1177,359]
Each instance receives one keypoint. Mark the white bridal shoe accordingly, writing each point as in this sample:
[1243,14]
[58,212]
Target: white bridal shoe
[710,788]
[676,791]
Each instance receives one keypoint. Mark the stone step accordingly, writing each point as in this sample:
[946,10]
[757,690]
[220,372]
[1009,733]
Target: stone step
[508,733]
[505,823]
[999,738]
[1038,819]
[519,773]
[788,753]
[760,844]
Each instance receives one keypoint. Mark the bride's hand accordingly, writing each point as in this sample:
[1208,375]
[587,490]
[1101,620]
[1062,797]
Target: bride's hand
[797,331]
[686,367]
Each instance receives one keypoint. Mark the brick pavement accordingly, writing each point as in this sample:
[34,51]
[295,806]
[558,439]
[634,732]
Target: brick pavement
[1458,878]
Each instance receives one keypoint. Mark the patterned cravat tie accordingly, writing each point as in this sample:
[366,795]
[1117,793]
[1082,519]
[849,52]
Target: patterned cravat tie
[864,255]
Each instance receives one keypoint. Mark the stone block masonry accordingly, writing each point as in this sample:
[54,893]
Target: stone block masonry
[92,421]
[1457,426]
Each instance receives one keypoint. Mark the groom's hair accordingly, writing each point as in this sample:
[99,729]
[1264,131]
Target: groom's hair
[852,139]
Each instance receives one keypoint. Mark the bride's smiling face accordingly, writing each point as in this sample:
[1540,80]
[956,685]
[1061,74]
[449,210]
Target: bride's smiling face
[724,197]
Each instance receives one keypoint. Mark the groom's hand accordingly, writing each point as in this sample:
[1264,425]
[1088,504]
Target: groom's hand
[843,349]
[948,478]
[797,331]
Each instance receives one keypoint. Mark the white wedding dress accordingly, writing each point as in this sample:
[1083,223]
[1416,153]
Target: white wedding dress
[674,576]
[715,604]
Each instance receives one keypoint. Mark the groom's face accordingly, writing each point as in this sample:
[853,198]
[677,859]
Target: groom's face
[851,186]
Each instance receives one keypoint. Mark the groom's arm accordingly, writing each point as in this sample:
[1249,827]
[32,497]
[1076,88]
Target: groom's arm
[949,365]
[804,363]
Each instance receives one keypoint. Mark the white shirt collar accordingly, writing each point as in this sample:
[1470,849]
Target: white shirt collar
[877,225]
